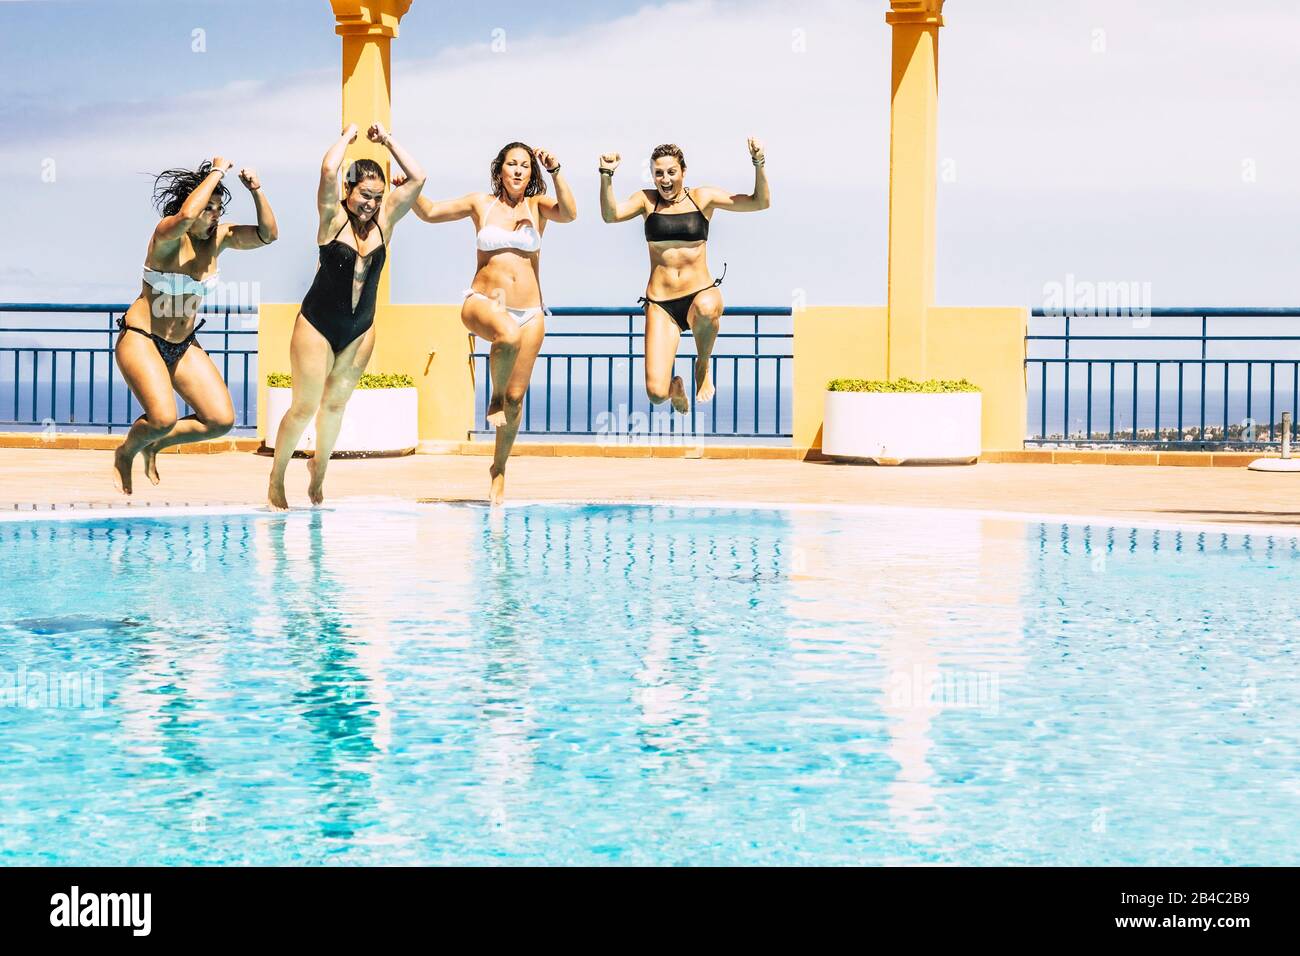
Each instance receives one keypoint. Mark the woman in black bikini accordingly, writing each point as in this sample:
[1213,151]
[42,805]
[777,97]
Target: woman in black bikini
[681,294]
[334,334]
[180,269]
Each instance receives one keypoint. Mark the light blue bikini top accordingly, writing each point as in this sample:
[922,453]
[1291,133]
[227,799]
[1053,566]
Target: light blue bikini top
[178,283]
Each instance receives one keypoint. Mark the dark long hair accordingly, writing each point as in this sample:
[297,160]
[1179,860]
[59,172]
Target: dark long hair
[536,184]
[172,187]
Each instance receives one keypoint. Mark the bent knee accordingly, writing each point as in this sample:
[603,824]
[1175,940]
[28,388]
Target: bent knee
[509,338]
[301,411]
[657,392]
[162,420]
[513,399]
[220,424]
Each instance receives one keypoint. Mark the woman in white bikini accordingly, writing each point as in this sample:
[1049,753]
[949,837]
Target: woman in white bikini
[504,303]
[180,269]
[681,294]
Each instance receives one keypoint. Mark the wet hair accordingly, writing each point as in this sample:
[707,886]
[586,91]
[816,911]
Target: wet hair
[363,169]
[669,149]
[536,184]
[172,187]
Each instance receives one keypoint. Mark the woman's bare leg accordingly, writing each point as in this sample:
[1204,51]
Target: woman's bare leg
[310,361]
[198,382]
[146,375]
[516,387]
[489,320]
[705,320]
[349,366]
[662,337]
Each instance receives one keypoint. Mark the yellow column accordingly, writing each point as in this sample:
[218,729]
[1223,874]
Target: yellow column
[913,132]
[367,28]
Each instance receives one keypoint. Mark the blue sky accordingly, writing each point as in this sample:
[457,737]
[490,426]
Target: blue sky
[1104,140]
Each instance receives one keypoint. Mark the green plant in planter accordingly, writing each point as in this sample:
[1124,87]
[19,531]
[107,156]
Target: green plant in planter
[369,380]
[930,385]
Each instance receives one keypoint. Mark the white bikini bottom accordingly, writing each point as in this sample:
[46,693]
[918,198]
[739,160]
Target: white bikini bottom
[521,316]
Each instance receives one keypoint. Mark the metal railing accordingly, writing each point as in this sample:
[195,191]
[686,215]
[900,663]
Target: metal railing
[1164,378]
[65,375]
[589,381]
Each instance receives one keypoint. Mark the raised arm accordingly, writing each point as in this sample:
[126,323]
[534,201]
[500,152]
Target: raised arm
[561,207]
[171,228]
[328,191]
[399,200]
[739,202]
[252,237]
[610,209]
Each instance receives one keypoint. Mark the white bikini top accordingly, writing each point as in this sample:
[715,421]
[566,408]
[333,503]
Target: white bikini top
[178,283]
[493,238]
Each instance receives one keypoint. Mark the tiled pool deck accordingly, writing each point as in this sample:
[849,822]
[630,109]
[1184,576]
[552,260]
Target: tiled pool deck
[1221,496]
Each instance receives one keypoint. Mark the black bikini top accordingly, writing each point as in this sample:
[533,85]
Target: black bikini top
[679,227]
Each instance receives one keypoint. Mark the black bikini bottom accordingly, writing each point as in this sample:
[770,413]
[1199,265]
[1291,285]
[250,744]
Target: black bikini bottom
[171,352]
[680,307]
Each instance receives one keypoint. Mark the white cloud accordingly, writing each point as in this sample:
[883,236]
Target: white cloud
[1122,164]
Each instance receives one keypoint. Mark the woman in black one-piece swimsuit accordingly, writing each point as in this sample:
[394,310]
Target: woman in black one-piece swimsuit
[333,335]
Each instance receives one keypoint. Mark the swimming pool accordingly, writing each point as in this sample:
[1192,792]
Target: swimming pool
[643,685]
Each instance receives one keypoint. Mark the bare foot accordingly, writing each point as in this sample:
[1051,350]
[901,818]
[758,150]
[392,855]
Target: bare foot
[275,495]
[149,457]
[496,412]
[703,383]
[677,395]
[316,487]
[122,471]
[498,493]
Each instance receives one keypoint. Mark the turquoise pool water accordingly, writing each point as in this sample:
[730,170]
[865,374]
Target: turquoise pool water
[644,685]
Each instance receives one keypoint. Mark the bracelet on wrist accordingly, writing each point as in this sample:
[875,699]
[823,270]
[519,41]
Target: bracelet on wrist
[555,170]
[608,171]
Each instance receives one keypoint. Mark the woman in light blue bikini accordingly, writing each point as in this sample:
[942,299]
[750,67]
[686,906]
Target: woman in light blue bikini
[180,269]
[504,303]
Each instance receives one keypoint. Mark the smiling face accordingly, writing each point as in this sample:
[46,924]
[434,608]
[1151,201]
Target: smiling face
[516,172]
[668,173]
[206,225]
[365,196]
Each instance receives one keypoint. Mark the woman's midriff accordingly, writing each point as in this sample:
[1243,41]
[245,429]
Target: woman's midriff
[677,270]
[169,316]
[513,274]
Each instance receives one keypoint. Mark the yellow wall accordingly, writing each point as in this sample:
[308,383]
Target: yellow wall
[832,342]
[986,346]
[913,132]
[427,342]
[274,326]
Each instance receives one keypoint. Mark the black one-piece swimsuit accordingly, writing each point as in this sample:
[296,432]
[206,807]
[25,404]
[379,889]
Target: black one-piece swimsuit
[328,303]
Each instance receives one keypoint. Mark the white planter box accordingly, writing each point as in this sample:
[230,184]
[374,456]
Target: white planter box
[895,427]
[377,421]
